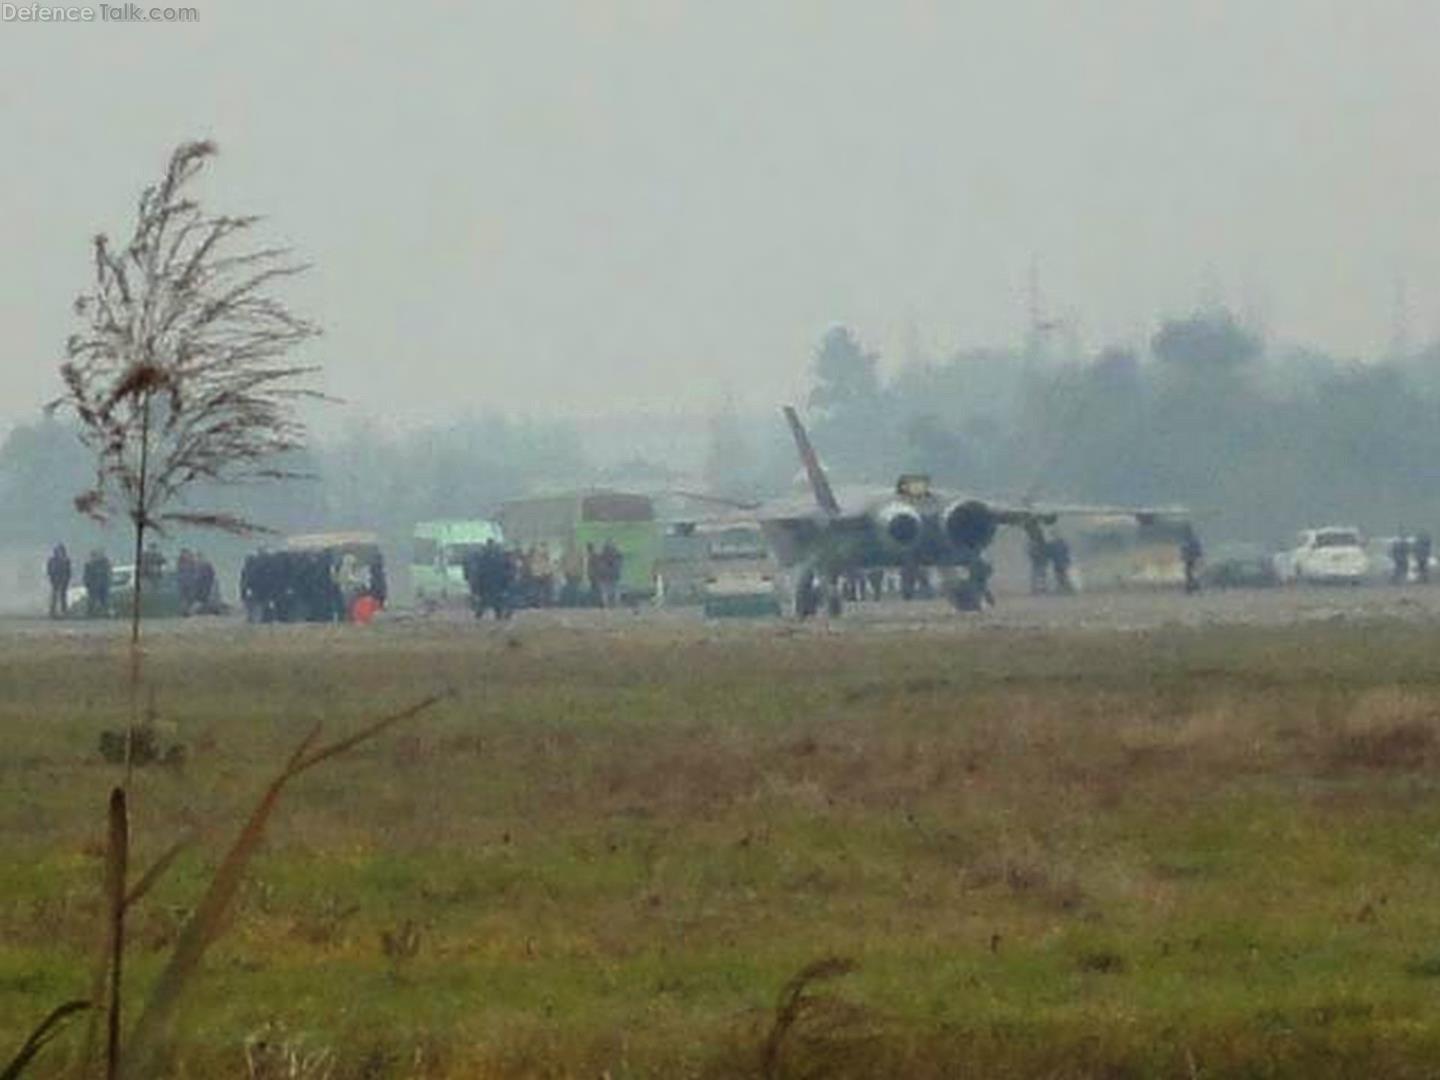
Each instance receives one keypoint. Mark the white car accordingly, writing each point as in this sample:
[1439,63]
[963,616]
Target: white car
[1335,553]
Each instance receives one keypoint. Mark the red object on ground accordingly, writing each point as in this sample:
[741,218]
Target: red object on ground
[364,609]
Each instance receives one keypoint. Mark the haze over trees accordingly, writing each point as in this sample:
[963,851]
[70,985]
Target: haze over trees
[1265,438]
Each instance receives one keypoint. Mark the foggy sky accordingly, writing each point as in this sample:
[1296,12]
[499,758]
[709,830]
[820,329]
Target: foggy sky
[574,207]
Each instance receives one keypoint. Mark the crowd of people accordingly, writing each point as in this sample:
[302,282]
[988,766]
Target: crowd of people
[195,584]
[503,579]
[323,585]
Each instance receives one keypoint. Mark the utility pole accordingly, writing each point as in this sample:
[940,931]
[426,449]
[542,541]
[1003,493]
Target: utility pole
[1038,327]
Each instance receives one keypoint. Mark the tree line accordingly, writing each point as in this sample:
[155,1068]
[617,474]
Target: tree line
[1260,439]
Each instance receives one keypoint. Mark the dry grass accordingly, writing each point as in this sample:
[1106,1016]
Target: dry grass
[1049,855]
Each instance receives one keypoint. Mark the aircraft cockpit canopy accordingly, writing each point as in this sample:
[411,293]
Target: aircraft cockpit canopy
[913,486]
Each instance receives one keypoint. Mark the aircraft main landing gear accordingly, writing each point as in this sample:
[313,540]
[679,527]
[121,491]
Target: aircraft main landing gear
[812,591]
[973,593]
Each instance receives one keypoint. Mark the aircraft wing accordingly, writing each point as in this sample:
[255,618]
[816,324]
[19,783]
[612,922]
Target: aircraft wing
[1017,513]
[810,537]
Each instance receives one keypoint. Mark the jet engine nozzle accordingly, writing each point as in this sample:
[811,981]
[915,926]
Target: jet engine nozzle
[901,525]
[970,525]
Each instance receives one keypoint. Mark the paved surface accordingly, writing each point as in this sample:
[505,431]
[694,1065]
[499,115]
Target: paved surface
[1124,611]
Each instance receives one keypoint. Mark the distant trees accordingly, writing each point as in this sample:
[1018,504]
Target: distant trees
[847,379]
[1209,342]
[1264,442]
[37,461]
[386,481]
[853,424]
[365,477]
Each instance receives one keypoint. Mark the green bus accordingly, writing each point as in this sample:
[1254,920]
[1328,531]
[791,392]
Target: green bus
[437,560]
[567,524]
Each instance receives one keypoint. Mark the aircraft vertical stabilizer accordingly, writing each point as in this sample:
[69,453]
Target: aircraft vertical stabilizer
[819,482]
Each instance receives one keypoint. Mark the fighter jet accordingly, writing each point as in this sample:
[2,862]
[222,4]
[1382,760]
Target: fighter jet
[912,527]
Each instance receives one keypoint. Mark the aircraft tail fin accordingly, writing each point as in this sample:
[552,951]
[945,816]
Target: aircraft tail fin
[819,482]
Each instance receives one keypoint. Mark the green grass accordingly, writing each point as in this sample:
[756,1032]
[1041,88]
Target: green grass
[1194,852]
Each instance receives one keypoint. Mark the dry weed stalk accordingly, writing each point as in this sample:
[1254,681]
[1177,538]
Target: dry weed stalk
[46,1030]
[143,1055]
[791,1005]
[152,1030]
[179,374]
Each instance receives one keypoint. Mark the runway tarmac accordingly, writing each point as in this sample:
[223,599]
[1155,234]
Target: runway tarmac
[1129,611]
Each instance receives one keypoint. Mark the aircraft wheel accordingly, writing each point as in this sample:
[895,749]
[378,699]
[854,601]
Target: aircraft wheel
[965,597]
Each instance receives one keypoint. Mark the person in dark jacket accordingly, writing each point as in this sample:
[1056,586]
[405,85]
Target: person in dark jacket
[612,565]
[1060,562]
[96,578]
[1420,550]
[490,573]
[204,598]
[57,569]
[379,586]
[1399,560]
[1191,554]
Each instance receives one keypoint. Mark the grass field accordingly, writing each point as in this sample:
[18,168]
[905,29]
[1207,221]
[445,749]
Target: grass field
[1192,852]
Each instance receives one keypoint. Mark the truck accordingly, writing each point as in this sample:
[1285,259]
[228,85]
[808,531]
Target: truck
[571,523]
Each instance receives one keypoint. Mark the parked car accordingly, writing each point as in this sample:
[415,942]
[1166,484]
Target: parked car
[1334,553]
[1239,566]
[160,597]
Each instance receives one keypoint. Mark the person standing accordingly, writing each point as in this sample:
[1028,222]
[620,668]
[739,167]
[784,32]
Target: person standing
[490,574]
[594,573]
[379,586]
[544,572]
[1399,560]
[1060,561]
[57,569]
[611,565]
[203,596]
[1420,550]
[572,569]
[96,578]
[1190,555]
